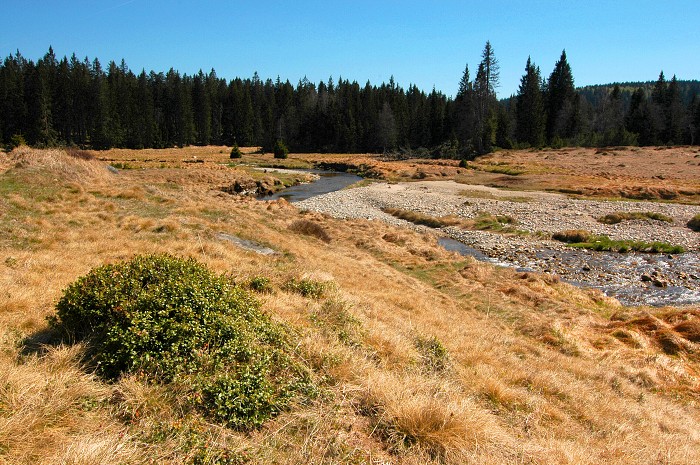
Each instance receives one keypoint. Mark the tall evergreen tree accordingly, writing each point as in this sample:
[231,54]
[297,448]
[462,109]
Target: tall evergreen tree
[676,117]
[485,83]
[639,119]
[658,109]
[529,107]
[465,112]
[561,102]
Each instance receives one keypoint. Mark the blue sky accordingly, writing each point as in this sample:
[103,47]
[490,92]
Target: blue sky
[426,43]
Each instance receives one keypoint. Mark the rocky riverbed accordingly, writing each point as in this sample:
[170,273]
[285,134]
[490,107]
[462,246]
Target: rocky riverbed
[633,278]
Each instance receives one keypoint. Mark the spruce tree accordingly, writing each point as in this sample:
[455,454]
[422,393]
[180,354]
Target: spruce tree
[676,117]
[561,102]
[529,107]
[639,120]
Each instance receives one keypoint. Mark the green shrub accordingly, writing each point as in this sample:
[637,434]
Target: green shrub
[235,152]
[307,287]
[280,149]
[17,140]
[260,284]
[173,321]
[694,223]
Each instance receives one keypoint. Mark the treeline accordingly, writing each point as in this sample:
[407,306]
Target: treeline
[552,112]
[78,102]
[71,101]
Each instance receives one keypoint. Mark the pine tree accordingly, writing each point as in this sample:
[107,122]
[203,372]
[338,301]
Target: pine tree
[639,120]
[561,103]
[13,108]
[491,69]
[658,108]
[465,112]
[694,126]
[487,78]
[529,107]
[676,117]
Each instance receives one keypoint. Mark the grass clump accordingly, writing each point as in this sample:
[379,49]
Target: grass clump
[618,217]
[605,244]
[172,321]
[694,223]
[432,353]
[489,222]
[307,287]
[260,284]
[334,318]
[572,236]
[309,228]
[420,218]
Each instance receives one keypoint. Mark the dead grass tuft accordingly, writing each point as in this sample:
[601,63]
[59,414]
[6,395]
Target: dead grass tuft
[310,228]
[422,219]
[690,330]
[418,420]
[61,165]
[572,236]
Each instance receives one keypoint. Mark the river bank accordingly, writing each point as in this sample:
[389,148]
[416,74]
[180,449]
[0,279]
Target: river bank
[634,278]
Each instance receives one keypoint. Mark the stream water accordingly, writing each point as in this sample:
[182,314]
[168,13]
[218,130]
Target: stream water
[616,275]
[329,181]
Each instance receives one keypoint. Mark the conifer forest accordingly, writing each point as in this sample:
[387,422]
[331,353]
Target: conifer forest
[69,101]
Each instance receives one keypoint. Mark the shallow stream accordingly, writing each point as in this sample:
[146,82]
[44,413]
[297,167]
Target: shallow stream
[632,278]
[329,181]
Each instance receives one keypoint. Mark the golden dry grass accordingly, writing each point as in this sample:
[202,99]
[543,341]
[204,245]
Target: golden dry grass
[539,371]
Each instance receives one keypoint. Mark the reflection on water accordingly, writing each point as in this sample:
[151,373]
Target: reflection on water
[329,181]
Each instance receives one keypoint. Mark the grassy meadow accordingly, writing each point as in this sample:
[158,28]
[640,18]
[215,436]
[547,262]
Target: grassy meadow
[418,355]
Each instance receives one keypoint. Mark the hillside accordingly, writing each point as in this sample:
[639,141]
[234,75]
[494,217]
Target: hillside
[418,355]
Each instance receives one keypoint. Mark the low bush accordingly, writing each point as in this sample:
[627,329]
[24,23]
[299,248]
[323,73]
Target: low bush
[280,149]
[17,140]
[235,152]
[171,320]
[307,287]
[309,228]
[260,284]
[694,223]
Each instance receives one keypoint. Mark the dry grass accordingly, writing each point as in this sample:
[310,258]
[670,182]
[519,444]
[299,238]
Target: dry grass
[618,217]
[421,218]
[656,173]
[536,371]
[309,228]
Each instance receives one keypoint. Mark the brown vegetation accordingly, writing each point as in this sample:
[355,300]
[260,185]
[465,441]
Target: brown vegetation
[420,355]
[650,173]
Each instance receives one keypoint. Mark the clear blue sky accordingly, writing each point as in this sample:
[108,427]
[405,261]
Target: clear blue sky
[426,43]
